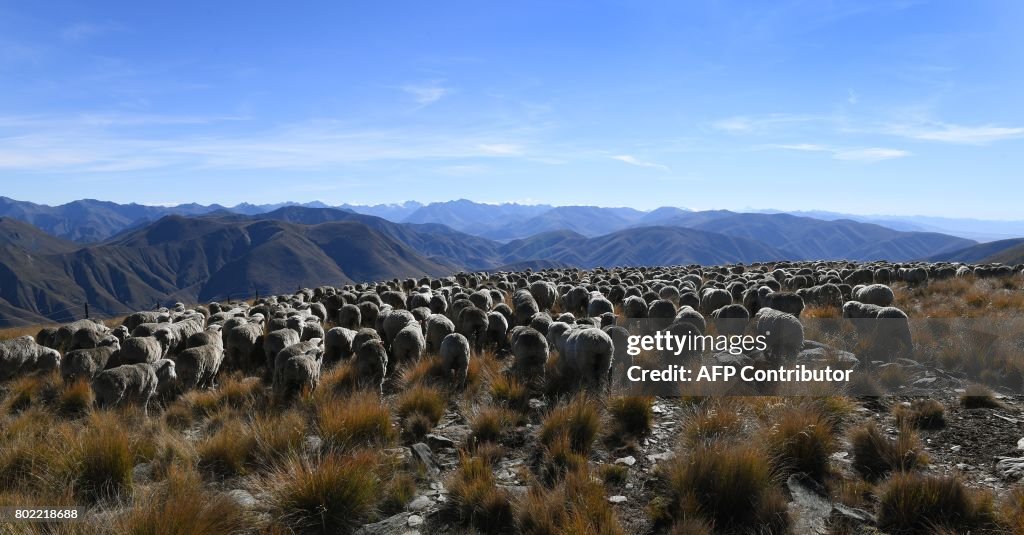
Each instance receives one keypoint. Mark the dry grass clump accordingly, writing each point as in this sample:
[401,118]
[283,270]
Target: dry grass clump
[425,371]
[475,500]
[489,424]
[1011,510]
[399,491]
[183,507]
[578,420]
[76,399]
[614,474]
[334,493]
[921,414]
[576,506]
[509,392]
[801,442]
[424,400]
[339,379]
[709,424]
[356,420]
[30,391]
[235,392]
[979,397]
[875,455]
[229,449]
[632,416]
[733,488]
[915,503]
[560,459]
[277,435]
[100,460]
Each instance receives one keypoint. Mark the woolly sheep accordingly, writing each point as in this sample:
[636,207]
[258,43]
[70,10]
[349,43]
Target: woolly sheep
[197,366]
[589,354]
[297,367]
[787,302]
[23,355]
[472,323]
[131,383]
[274,342]
[371,364]
[455,355]
[244,346]
[714,298]
[408,344]
[140,350]
[338,344]
[524,306]
[394,322]
[874,294]
[437,327]
[783,332]
[497,330]
[86,363]
[530,351]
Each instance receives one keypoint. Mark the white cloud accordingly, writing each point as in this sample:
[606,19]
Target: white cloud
[752,123]
[954,133]
[426,93]
[501,149]
[856,154]
[631,160]
[82,31]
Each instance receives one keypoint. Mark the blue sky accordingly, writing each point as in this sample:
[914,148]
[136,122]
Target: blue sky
[887,107]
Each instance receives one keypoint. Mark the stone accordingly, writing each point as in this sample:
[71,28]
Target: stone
[414,520]
[1010,467]
[537,404]
[728,359]
[420,503]
[393,525]
[437,442]
[142,473]
[820,355]
[617,499]
[1020,444]
[628,461]
[425,457]
[242,498]
[313,443]
[659,456]
[809,510]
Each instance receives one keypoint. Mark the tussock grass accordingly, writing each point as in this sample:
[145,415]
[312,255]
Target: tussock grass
[915,503]
[398,492]
[101,460]
[277,435]
[357,420]
[576,506]
[183,507]
[578,420]
[979,397]
[732,487]
[632,416]
[875,455]
[229,449]
[76,399]
[475,500]
[489,424]
[509,392]
[801,442]
[334,493]
[1011,510]
[614,474]
[711,423]
[921,414]
[424,400]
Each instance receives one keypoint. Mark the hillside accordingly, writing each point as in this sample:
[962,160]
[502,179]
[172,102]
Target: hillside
[983,252]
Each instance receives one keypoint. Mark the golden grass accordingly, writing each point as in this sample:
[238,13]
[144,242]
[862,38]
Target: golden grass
[875,455]
[801,442]
[578,420]
[915,503]
[921,414]
[475,500]
[357,420]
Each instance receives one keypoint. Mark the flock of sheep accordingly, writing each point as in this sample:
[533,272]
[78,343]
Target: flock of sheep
[582,316]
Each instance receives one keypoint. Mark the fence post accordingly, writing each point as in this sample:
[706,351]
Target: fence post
[86,310]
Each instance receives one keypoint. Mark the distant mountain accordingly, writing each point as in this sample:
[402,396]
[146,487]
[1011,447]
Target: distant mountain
[475,218]
[984,252]
[391,212]
[193,259]
[973,229]
[646,246]
[808,238]
[586,220]
[1009,256]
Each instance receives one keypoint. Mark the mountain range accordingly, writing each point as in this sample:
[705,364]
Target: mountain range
[122,258]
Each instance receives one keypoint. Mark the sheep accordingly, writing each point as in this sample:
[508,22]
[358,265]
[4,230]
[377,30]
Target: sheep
[541,321]
[311,329]
[455,355]
[787,302]
[408,344]
[86,363]
[621,359]
[731,320]
[276,341]
[132,383]
[211,336]
[349,317]
[173,336]
[297,367]
[140,350]
[47,337]
[394,322]
[497,330]
[544,294]
[558,331]
[634,307]
[472,323]
[338,344]
[530,350]
[524,306]
[371,364]
[712,299]
[437,327]
[913,275]
[687,314]
[782,332]
[589,354]
[244,346]
[481,299]
[874,294]
[134,320]
[576,300]
[599,305]
[23,355]
[197,366]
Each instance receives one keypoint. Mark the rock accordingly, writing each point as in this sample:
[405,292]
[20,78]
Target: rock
[393,525]
[414,520]
[809,510]
[617,499]
[955,449]
[515,490]
[401,453]
[437,442]
[420,503]
[827,356]
[537,404]
[142,473]
[844,515]
[728,359]
[655,457]
[423,454]
[1010,467]
[811,344]
[657,409]
[313,443]
[242,498]
[907,362]
[925,381]
[1020,444]
[628,461]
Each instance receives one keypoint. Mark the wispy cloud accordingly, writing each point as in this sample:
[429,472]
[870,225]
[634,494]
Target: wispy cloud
[82,31]
[755,123]
[631,160]
[426,93]
[954,133]
[856,154]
